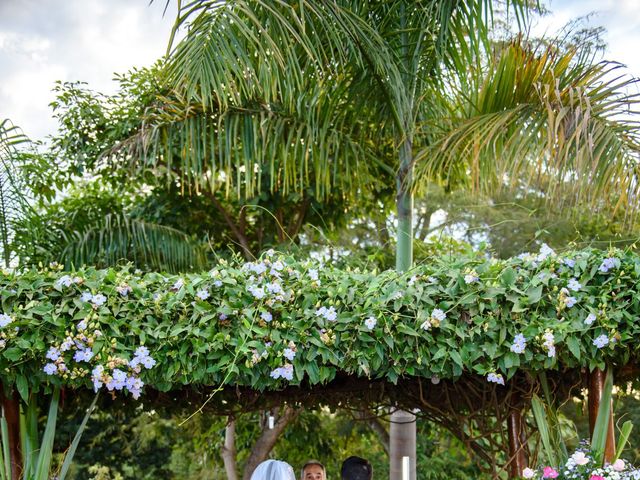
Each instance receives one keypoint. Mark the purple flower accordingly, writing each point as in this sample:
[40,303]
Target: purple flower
[519,344]
[601,341]
[50,369]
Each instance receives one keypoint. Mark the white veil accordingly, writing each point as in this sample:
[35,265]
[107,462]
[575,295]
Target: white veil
[273,470]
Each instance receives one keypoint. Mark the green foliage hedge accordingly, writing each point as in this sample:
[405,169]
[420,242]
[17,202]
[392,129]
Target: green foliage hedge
[212,329]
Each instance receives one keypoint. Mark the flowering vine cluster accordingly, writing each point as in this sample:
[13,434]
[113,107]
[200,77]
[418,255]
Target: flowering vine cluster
[281,320]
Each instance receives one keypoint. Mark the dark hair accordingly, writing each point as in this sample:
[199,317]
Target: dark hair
[313,462]
[356,468]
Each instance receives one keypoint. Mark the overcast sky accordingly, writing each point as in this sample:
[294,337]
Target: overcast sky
[42,41]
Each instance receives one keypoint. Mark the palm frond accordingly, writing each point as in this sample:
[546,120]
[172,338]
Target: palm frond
[540,121]
[13,200]
[121,238]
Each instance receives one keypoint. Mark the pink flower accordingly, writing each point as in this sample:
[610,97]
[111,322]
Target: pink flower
[596,477]
[548,472]
[618,465]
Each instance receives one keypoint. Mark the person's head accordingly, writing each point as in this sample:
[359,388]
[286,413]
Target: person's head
[313,470]
[273,470]
[356,468]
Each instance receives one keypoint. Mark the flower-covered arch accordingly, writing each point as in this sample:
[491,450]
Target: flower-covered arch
[461,339]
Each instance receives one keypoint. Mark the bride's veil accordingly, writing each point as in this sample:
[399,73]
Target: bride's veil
[273,470]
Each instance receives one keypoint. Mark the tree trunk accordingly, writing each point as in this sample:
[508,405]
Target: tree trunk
[596,387]
[11,413]
[517,454]
[402,437]
[228,453]
[376,425]
[267,440]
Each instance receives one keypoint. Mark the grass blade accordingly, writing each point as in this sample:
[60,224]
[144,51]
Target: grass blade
[542,423]
[76,440]
[46,447]
[625,433]
[601,427]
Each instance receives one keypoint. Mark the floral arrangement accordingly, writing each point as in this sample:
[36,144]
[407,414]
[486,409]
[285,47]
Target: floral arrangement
[281,320]
[581,465]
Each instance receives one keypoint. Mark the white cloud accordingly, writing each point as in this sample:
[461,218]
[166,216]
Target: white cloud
[42,41]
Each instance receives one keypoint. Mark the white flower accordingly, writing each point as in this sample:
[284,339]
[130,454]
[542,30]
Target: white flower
[426,325]
[435,379]
[519,344]
[397,295]
[217,283]
[371,322]
[266,316]
[64,281]
[438,314]
[579,458]
[86,296]
[289,354]
[574,285]
[203,294]
[528,473]
[257,292]
[5,320]
[178,285]
[590,319]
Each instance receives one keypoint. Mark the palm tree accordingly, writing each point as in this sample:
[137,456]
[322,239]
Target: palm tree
[326,93]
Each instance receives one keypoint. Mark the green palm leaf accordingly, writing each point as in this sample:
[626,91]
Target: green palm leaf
[121,238]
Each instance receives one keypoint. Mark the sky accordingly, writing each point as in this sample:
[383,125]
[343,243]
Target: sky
[42,41]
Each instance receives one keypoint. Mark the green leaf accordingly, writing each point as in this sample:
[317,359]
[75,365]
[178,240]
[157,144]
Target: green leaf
[22,385]
[574,346]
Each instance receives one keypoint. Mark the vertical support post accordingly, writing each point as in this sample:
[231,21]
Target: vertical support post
[403,431]
[11,413]
[517,453]
[596,387]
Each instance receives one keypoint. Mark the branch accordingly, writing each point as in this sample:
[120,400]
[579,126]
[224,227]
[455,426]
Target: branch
[228,452]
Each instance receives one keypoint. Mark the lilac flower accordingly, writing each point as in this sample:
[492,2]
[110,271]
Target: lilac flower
[470,278]
[519,344]
[438,314]
[118,381]
[83,355]
[142,351]
[203,294]
[124,289]
[178,285]
[371,322]
[82,325]
[287,372]
[574,285]
[590,319]
[277,266]
[274,287]
[64,281]
[96,377]
[569,262]
[50,369]
[412,280]
[570,301]
[148,362]
[257,292]
[217,283]
[222,316]
[545,252]
[495,378]
[266,316]
[86,297]
[549,343]
[53,354]
[5,320]
[98,300]
[601,341]
[607,264]
[289,354]
[67,344]
[331,314]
